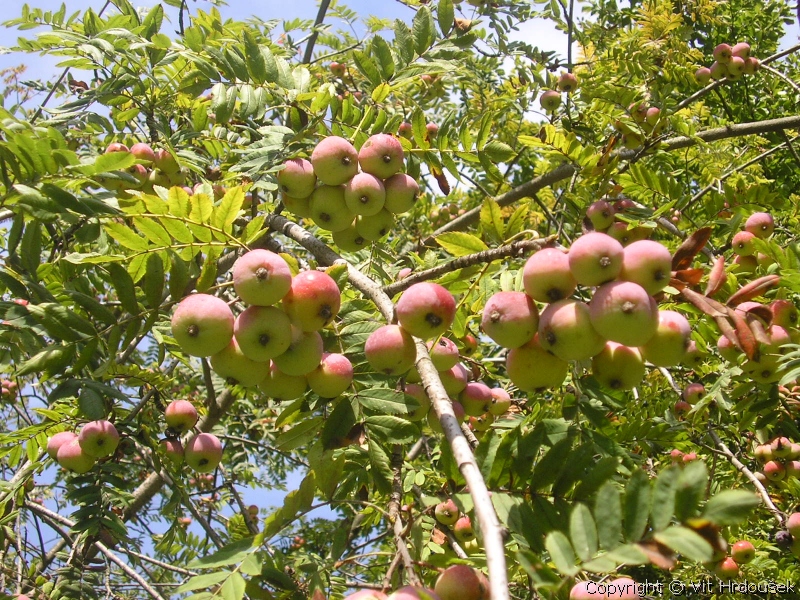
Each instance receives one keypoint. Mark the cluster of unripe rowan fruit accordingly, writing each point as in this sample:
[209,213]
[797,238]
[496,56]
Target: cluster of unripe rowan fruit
[759,225]
[275,342]
[780,459]
[8,389]
[619,329]
[78,452]
[447,514]
[648,121]
[550,100]
[457,582]
[730,63]
[357,207]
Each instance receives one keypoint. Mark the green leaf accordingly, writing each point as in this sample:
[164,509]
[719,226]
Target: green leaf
[126,292]
[300,434]
[233,588]
[637,505]
[227,211]
[492,219]
[51,360]
[583,532]
[126,236]
[91,404]
[687,542]
[498,151]
[608,515]
[384,401]
[393,430]
[664,498]
[690,489]
[154,280]
[367,67]
[381,469]
[232,554]
[208,273]
[730,507]
[403,44]
[561,553]
[113,161]
[445,15]
[458,243]
[153,231]
[256,65]
[422,29]
[205,580]
[383,53]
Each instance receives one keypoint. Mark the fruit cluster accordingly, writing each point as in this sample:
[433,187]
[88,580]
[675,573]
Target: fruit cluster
[276,348]
[690,396]
[358,207]
[78,452]
[730,63]
[457,582]
[606,216]
[727,567]
[780,459]
[447,514]
[619,329]
[8,389]
[759,225]
[550,100]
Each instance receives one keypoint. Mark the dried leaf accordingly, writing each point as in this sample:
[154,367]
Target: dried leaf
[710,307]
[690,276]
[747,340]
[754,289]
[728,331]
[757,327]
[441,179]
[661,556]
[717,278]
[690,248]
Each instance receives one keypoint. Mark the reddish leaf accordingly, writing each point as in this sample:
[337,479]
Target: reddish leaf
[754,289]
[690,276]
[717,278]
[746,338]
[690,248]
[711,307]
[444,185]
[760,311]
[661,556]
[728,331]
[757,327]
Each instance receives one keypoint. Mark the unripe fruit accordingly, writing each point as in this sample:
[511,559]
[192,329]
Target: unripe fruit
[99,438]
[742,50]
[501,402]
[743,552]
[623,312]
[166,162]
[313,300]
[444,353]
[446,512]
[297,179]
[180,415]
[530,367]
[454,380]
[781,447]
[793,524]
[601,214]
[668,345]
[72,457]
[432,129]
[550,100]
[303,354]
[784,314]
[618,367]
[547,276]
[413,593]
[436,425]
[235,368]
[335,160]
[261,277]
[426,310]
[116,147]
[381,155]
[375,227]
[647,263]
[202,324]
[463,529]
[203,452]
[390,350]
[736,66]
[332,377]
[510,319]
[173,449]
[568,82]
[565,329]
[742,243]
[263,332]
[623,588]
[703,75]
[476,398]
[718,71]
[405,130]
[751,65]
[459,582]
[585,590]
[298,206]
[359,595]
[402,192]
[337,69]
[364,194]
[329,209]
[349,240]
[727,349]
[282,387]
[760,224]
[143,152]
[723,53]
[417,392]
[59,439]
[774,470]
[595,258]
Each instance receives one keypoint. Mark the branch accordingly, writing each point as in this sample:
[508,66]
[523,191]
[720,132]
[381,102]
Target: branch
[323,8]
[491,530]
[566,170]
[394,516]
[515,249]
[749,474]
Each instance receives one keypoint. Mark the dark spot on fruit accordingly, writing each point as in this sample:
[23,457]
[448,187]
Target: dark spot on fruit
[628,307]
[495,316]
[605,261]
[346,160]
[262,273]
[263,339]
[364,199]
[554,294]
[551,338]
[387,158]
[325,312]
[433,319]
[193,330]
[325,217]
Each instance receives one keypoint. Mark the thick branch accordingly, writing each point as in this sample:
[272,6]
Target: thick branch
[566,170]
[491,530]
[323,8]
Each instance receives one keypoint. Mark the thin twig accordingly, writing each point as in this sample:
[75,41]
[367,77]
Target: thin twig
[323,8]
[394,516]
